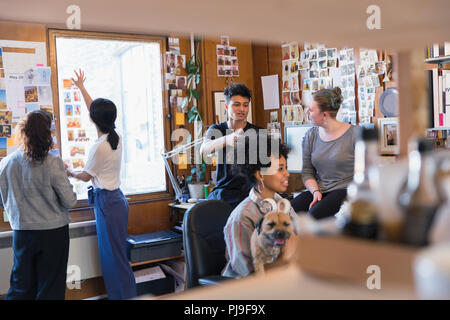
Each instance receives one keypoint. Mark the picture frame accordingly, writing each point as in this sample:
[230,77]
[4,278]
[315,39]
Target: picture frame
[220,112]
[389,136]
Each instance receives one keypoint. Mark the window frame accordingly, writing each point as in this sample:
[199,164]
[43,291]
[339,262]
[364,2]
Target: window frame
[52,34]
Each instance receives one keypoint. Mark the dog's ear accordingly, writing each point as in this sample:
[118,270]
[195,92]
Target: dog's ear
[258,226]
[284,205]
[294,222]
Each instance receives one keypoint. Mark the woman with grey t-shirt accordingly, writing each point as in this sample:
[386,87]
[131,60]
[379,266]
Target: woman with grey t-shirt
[328,157]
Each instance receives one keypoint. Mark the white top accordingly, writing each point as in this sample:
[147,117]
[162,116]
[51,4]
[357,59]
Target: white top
[104,164]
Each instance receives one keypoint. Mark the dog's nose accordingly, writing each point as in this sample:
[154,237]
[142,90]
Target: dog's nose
[279,234]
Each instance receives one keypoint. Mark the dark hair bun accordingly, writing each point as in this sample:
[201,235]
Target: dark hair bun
[337,98]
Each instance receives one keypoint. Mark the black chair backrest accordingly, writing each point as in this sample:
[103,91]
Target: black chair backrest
[203,239]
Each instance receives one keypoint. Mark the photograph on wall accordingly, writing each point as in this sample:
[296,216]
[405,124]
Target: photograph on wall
[293,49]
[235,71]
[225,40]
[70,135]
[294,83]
[174,45]
[286,67]
[31,94]
[286,84]
[285,52]
[29,107]
[69,110]
[286,97]
[5,130]
[233,51]
[306,84]
[1,58]
[77,150]
[3,104]
[77,164]
[274,116]
[45,94]
[181,82]
[220,50]
[170,62]
[77,110]
[5,117]
[304,55]
[322,53]
[181,61]
[295,97]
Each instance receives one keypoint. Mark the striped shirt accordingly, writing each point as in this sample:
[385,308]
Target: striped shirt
[238,232]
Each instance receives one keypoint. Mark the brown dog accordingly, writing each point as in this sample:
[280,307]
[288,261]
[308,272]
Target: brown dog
[269,238]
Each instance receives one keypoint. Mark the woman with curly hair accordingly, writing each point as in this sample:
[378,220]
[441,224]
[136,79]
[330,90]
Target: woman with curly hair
[265,169]
[36,195]
[328,157]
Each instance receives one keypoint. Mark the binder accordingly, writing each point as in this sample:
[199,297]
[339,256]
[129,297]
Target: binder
[436,110]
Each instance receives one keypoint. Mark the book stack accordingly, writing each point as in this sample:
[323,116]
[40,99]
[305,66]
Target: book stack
[439,97]
[437,50]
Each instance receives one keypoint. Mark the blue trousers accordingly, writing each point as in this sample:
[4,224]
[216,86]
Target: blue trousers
[40,264]
[111,214]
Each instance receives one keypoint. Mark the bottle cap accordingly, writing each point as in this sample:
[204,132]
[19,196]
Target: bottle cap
[368,134]
[425,145]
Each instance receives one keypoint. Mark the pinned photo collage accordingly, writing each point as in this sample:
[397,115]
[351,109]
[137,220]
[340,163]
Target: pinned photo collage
[293,114]
[290,95]
[75,124]
[38,90]
[368,74]
[315,63]
[227,59]
[347,112]
[176,80]
[2,70]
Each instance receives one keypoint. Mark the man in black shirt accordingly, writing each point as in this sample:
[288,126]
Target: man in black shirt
[222,138]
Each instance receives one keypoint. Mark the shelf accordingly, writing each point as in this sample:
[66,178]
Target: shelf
[439,129]
[438,60]
[135,264]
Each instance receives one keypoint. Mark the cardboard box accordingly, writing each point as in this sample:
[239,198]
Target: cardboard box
[349,258]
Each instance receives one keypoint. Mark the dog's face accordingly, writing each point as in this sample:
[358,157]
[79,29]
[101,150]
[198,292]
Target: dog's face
[275,229]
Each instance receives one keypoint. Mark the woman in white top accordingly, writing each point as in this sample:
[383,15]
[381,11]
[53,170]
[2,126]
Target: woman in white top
[110,205]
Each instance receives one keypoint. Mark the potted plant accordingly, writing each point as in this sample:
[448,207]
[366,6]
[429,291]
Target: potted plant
[196,189]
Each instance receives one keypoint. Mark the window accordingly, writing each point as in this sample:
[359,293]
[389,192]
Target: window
[128,71]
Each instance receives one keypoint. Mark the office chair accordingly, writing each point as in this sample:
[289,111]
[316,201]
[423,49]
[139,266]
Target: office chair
[203,242]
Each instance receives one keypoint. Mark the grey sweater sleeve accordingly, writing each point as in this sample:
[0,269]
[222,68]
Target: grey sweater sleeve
[61,185]
[308,171]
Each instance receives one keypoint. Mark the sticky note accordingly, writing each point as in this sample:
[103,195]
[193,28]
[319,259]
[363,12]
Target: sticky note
[182,161]
[179,119]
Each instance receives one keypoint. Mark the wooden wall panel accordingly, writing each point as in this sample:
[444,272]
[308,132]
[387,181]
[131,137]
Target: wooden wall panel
[23,31]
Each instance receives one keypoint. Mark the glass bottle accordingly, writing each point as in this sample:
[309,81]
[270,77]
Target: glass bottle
[363,210]
[419,199]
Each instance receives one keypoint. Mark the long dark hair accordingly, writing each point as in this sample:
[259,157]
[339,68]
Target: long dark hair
[37,136]
[103,113]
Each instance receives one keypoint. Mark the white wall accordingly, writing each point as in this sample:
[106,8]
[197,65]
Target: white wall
[83,252]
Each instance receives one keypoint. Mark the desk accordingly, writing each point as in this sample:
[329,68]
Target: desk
[179,208]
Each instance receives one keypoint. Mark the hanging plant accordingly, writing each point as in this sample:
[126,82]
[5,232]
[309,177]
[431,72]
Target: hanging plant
[193,69]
